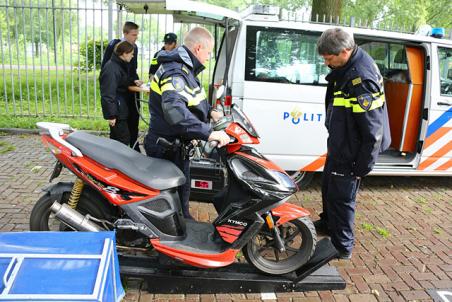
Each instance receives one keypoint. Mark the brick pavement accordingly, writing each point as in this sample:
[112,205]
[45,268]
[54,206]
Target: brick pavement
[403,230]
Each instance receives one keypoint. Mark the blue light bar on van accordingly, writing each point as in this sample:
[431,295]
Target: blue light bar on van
[438,32]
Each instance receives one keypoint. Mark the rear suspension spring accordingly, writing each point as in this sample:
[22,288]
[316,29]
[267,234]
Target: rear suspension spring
[75,193]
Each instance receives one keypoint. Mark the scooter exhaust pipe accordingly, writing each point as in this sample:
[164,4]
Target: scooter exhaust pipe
[73,218]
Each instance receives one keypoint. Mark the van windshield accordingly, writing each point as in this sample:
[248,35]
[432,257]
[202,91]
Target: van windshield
[283,56]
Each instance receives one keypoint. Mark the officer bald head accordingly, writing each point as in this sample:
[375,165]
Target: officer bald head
[335,45]
[200,42]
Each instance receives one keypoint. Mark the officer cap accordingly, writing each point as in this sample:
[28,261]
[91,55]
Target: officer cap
[170,38]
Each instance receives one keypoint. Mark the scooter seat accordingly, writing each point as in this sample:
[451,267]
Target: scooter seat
[155,173]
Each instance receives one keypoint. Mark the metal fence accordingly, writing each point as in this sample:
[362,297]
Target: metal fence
[51,51]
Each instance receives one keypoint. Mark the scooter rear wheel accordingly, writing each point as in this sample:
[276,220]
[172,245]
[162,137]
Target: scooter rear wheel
[299,238]
[42,218]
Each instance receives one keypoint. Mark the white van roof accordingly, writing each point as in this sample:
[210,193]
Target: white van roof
[182,10]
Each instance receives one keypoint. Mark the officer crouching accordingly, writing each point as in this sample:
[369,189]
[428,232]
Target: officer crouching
[178,105]
[358,128]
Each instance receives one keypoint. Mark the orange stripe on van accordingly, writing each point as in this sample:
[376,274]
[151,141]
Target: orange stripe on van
[315,165]
[435,156]
[445,166]
[436,136]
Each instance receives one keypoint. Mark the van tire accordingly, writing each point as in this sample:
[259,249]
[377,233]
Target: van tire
[301,178]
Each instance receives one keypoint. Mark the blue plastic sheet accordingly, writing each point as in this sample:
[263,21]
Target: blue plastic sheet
[59,266]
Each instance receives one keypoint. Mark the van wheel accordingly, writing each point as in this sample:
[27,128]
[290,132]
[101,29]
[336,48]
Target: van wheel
[301,178]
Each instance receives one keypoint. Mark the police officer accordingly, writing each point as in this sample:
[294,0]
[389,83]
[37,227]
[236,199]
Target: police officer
[170,42]
[130,34]
[357,123]
[178,106]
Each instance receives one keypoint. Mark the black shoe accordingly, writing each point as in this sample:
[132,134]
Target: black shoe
[344,255]
[321,227]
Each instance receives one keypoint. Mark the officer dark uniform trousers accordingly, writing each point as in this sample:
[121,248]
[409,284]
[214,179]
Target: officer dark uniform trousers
[357,123]
[179,110]
[133,117]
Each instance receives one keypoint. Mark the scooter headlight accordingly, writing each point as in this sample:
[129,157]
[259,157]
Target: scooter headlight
[262,181]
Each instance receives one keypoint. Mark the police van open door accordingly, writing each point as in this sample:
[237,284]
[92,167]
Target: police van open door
[437,148]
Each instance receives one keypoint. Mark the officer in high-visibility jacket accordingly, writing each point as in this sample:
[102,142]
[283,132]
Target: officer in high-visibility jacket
[358,128]
[170,42]
[178,105]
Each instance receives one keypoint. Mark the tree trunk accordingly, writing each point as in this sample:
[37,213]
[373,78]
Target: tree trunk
[323,10]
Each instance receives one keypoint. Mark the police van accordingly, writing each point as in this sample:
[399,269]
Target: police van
[271,69]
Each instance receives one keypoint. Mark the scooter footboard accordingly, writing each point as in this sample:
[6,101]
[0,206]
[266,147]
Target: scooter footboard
[287,212]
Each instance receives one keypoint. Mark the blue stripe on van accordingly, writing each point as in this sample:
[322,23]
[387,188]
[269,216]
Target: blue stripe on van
[439,122]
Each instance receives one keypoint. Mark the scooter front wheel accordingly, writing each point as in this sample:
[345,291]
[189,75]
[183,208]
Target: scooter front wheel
[299,238]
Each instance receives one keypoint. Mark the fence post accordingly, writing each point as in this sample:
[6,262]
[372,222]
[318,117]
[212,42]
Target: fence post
[110,20]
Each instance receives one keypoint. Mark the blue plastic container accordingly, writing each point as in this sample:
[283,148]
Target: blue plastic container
[59,266]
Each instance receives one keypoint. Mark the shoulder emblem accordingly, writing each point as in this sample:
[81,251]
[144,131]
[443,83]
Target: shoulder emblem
[365,101]
[178,83]
[356,81]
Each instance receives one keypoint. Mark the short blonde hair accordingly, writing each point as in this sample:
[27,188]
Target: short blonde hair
[198,35]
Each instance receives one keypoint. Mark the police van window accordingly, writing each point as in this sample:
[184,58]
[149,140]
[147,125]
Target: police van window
[397,57]
[390,57]
[445,69]
[378,51]
[283,56]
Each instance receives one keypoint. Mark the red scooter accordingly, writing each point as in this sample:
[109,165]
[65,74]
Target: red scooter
[117,188]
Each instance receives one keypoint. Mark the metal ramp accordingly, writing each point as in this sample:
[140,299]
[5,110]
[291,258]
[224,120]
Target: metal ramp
[175,278]
[59,266]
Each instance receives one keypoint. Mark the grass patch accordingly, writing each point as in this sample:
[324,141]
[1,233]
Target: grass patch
[420,200]
[383,232]
[30,122]
[25,122]
[55,93]
[367,226]
[36,169]
[50,93]
[437,231]
[6,147]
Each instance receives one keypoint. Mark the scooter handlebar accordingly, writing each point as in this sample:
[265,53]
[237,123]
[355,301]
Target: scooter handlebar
[167,144]
[208,148]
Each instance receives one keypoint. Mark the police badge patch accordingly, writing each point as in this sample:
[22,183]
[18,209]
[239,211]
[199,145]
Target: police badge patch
[365,101]
[178,83]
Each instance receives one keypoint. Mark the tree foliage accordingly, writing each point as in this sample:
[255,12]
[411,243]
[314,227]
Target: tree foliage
[240,4]
[20,23]
[390,13]
[87,57]
[398,13]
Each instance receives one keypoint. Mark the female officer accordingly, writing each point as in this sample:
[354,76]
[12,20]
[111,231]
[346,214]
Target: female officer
[114,82]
